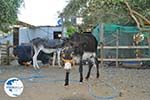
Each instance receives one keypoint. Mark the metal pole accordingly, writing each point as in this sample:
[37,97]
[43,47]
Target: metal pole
[101,42]
[62,18]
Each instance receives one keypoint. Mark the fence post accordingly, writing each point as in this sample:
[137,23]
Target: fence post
[0,55]
[8,55]
[102,42]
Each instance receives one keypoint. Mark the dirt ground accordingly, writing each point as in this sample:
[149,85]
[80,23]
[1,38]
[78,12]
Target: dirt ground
[47,83]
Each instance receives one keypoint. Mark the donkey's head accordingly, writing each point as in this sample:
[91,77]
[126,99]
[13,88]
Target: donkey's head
[67,54]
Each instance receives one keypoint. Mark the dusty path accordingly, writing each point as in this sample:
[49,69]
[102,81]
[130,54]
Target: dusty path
[131,84]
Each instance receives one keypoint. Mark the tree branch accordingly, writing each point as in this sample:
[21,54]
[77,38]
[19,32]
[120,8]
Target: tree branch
[132,15]
[142,17]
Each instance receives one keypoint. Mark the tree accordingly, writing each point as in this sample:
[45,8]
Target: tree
[71,30]
[106,11]
[8,13]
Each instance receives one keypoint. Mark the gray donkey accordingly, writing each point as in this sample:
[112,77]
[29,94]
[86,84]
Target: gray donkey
[47,46]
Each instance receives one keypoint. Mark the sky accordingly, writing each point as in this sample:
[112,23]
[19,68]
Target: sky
[41,12]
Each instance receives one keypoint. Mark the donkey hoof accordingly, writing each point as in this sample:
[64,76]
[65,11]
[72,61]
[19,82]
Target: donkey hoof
[97,76]
[66,84]
[38,67]
[87,78]
[80,82]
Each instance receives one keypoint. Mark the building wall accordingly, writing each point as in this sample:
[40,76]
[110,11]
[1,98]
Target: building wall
[27,34]
[5,39]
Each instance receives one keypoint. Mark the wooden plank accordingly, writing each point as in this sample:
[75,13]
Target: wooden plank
[127,59]
[124,47]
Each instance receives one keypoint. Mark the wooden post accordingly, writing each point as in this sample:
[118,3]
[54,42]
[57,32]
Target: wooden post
[16,36]
[102,42]
[8,55]
[148,40]
[117,46]
[62,26]
[0,56]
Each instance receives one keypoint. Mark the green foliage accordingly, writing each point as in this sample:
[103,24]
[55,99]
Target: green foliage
[71,30]
[8,13]
[106,11]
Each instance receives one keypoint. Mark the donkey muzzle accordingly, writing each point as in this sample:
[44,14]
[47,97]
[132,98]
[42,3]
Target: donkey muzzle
[67,66]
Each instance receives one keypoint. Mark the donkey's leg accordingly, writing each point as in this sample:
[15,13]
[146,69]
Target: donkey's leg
[35,64]
[93,62]
[67,78]
[34,61]
[34,57]
[97,67]
[81,70]
[89,71]
[54,59]
[58,57]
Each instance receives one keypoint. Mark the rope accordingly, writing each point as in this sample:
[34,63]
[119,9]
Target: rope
[111,97]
